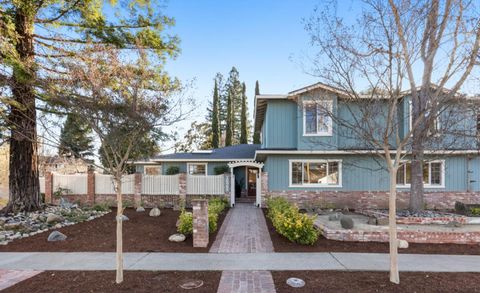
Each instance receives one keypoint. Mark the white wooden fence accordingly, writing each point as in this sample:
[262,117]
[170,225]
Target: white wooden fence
[104,184]
[160,184]
[72,184]
[211,185]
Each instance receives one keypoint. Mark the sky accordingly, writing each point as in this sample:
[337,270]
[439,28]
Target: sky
[264,40]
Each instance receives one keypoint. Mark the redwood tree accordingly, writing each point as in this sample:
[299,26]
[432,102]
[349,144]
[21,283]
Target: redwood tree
[35,36]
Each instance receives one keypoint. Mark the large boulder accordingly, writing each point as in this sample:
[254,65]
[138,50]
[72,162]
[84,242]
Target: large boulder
[54,218]
[140,209]
[346,222]
[123,218]
[177,238]
[155,212]
[56,236]
[335,217]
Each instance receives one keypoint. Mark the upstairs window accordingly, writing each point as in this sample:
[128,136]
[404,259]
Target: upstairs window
[433,174]
[317,120]
[433,129]
[315,173]
[197,169]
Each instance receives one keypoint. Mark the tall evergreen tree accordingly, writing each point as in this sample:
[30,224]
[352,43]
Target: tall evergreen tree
[75,138]
[234,87]
[256,134]
[229,125]
[215,118]
[243,118]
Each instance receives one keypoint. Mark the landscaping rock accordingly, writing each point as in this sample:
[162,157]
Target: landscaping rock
[12,226]
[124,218]
[346,222]
[295,282]
[335,217]
[155,212]
[372,221]
[53,218]
[177,238]
[382,221]
[64,203]
[56,236]
[140,209]
[454,224]
[192,284]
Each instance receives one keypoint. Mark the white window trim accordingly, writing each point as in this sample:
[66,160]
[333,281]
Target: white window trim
[430,186]
[188,168]
[410,121]
[324,133]
[310,185]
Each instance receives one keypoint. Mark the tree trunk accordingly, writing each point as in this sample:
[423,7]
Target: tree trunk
[392,225]
[119,254]
[24,188]
[416,188]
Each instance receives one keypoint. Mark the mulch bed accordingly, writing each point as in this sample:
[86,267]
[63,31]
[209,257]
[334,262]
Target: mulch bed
[141,233]
[282,244]
[336,281]
[104,281]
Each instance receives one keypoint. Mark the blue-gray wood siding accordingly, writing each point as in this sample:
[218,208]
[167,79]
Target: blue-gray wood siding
[279,129]
[367,173]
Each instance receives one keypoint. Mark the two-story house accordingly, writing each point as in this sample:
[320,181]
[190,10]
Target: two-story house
[308,154]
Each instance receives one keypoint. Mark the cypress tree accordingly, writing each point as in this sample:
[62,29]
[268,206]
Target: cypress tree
[75,138]
[243,117]
[256,134]
[215,118]
[229,127]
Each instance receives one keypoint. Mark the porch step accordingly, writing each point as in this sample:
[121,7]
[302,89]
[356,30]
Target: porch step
[245,199]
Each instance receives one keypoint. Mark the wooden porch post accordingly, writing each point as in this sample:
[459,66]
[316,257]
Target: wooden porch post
[232,188]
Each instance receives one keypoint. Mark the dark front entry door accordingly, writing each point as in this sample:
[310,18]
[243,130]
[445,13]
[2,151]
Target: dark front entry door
[252,181]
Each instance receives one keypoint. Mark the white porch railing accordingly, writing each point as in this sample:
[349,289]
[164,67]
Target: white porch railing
[208,185]
[104,184]
[160,184]
[75,184]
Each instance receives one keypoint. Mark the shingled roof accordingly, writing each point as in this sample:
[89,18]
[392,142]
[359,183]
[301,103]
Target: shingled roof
[235,152]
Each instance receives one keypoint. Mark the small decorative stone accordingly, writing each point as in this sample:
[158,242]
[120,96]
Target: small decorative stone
[56,236]
[346,222]
[140,209]
[382,221]
[124,218]
[177,238]
[335,217]
[191,284]
[295,282]
[53,218]
[58,226]
[12,226]
[155,212]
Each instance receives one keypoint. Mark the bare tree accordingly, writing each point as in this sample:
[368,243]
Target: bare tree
[441,40]
[363,67]
[122,101]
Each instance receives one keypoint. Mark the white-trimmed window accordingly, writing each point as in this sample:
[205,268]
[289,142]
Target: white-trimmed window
[315,173]
[153,170]
[433,129]
[433,174]
[197,169]
[317,120]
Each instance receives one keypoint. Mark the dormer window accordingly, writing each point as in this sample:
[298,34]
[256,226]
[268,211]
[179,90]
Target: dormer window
[317,120]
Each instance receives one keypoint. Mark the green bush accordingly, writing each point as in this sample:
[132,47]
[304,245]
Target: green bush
[215,207]
[219,170]
[173,170]
[475,211]
[185,225]
[290,223]
[101,207]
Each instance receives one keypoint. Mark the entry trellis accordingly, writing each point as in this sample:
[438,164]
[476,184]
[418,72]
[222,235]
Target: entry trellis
[246,163]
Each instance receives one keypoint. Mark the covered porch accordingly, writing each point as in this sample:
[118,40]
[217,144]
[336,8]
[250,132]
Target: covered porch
[246,182]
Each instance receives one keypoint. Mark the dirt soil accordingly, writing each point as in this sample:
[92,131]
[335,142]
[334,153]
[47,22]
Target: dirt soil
[336,281]
[104,281]
[282,244]
[141,233]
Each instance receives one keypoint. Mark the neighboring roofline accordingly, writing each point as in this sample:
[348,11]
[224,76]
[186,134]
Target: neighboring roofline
[357,152]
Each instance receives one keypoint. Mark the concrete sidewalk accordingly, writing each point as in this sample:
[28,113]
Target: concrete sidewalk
[237,261]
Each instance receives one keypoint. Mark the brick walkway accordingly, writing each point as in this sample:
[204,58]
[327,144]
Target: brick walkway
[10,277]
[244,231]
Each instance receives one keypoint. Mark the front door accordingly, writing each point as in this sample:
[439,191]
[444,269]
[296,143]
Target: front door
[252,181]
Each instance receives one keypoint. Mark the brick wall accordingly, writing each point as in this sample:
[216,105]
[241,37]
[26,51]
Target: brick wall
[200,222]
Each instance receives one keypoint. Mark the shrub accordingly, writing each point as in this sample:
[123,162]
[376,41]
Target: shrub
[101,207]
[475,211]
[173,170]
[290,223]
[185,225]
[219,170]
